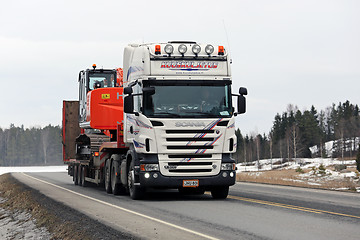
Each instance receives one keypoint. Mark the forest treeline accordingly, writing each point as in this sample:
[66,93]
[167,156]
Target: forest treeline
[30,147]
[291,136]
[295,131]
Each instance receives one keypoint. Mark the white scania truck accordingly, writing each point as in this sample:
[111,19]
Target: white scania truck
[179,123]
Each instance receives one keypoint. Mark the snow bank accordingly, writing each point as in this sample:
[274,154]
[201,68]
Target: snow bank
[62,168]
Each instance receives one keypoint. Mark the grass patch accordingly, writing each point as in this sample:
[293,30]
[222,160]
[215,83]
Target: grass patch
[291,177]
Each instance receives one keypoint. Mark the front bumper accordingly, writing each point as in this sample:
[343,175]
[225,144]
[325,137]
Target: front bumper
[224,178]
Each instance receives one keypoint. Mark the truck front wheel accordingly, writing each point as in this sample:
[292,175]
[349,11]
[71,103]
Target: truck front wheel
[136,192]
[220,192]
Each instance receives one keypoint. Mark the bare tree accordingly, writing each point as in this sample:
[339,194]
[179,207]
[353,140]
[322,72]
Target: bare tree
[294,139]
[257,140]
[271,144]
[45,142]
[340,131]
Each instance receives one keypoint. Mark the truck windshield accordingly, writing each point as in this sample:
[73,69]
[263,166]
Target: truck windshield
[189,100]
[101,80]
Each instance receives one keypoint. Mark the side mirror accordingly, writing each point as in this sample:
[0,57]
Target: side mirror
[241,100]
[149,90]
[128,104]
[128,90]
[242,91]
[241,104]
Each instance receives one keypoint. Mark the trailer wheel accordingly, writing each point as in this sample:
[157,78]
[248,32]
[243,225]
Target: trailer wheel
[136,192]
[116,187]
[108,176]
[220,192]
[83,175]
[75,177]
[80,175]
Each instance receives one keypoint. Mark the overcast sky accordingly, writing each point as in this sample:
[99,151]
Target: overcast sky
[301,52]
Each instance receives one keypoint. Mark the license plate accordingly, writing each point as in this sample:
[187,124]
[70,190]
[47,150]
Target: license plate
[190,183]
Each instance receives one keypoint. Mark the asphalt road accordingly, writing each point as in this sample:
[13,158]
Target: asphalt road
[252,211]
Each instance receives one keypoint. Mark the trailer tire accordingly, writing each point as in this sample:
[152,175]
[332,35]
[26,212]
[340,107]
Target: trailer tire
[136,192]
[220,192]
[75,177]
[116,186]
[107,176]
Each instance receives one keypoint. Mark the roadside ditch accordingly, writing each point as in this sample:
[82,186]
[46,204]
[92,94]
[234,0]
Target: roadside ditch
[25,213]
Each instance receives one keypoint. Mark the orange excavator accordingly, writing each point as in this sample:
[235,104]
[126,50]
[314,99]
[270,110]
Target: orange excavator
[93,125]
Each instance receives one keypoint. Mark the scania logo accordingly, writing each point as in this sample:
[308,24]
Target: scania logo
[190,124]
[170,167]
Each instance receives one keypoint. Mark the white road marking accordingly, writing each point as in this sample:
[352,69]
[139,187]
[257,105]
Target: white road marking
[126,210]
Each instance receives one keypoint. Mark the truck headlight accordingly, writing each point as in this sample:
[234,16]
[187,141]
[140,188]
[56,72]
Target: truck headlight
[228,166]
[149,167]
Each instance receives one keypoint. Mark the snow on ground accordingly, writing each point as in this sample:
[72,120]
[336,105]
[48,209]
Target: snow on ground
[62,168]
[277,163]
[20,225]
[330,147]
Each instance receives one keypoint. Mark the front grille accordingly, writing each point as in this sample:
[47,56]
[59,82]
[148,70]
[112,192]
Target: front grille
[190,152]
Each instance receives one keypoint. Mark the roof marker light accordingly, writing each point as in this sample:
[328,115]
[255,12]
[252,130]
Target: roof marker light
[169,49]
[221,50]
[94,66]
[157,49]
[196,49]
[182,49]
[209,49]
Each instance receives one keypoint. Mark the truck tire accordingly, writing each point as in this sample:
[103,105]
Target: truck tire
[136,192]
[75,177]
[116,186]
[220,192]
[83,175]
[107,176]
[80,175]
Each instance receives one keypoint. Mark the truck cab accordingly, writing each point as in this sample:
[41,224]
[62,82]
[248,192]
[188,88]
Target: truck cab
[179,119]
